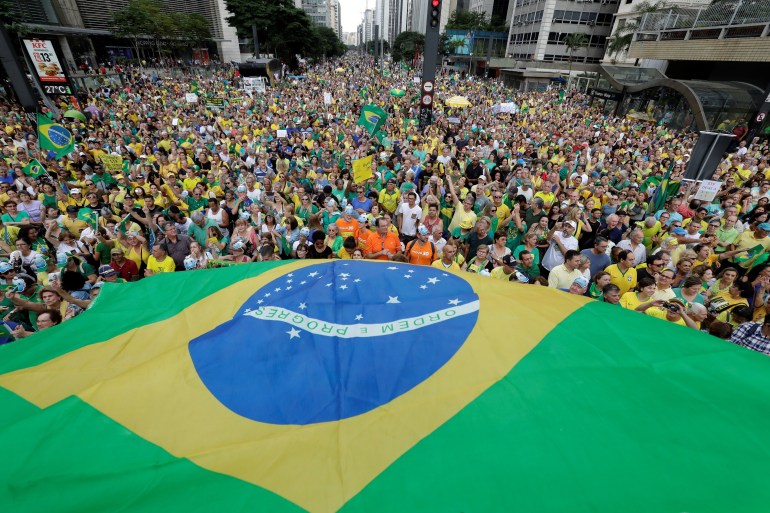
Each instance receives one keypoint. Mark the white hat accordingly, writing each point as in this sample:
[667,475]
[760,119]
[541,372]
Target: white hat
[75,191]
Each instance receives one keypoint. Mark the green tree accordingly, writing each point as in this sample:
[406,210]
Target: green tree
[574,42]
[467,20]
[283,29]
[405,44]
[12,18]
[372,45]
[193,28]
[329,44]
[144,20]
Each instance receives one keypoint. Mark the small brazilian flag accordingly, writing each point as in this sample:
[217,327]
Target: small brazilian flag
[34,169]
[376,387]
[89,216]
[372,118]
[54,137]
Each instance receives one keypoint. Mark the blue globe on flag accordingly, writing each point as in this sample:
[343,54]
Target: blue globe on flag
[332,341]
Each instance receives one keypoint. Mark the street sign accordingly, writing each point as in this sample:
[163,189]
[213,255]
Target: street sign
[427,99]
[427,86]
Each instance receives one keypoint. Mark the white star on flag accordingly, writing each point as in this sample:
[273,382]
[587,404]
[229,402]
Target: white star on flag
[344,275]
[267,295]
[293,333]
[433,281]
[290,275]
[289,281]
[356,280]
[343,287]
[313,274]
[359,317]
[302,306]
[329,284]
[288,288]
[277,289]
[423,287]
[393,300]
[392,268]
[260,301]
[407,276]
[411,271]
[454,302]
[302,282]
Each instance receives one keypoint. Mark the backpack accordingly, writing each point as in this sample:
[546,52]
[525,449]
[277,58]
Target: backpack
[432,249]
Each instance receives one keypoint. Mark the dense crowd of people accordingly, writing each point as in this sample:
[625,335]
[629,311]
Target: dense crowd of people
[557,194]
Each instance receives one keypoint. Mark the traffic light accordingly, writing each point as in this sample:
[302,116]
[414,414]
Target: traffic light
[435,13]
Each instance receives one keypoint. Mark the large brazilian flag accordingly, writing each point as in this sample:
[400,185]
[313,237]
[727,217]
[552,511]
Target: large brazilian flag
[376,387]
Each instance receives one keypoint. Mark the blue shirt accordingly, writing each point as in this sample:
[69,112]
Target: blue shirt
[365,205]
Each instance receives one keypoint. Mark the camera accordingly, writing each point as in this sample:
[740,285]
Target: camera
[671,307]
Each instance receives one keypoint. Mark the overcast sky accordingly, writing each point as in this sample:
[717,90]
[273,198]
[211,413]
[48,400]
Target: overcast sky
[352,12]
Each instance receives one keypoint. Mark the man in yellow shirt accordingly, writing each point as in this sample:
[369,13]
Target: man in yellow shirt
[447,260]
[623,274]
[159,261]
[389,197]
[755,242]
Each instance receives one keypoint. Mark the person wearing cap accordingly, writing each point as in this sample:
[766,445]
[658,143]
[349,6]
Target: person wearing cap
[579,286]
[561,240]
[109,275]
[347,224]
[562,275]
[623,273]
[506,271]
[27,300]
[421,251]
[362,232]
[127,269]
[71,223]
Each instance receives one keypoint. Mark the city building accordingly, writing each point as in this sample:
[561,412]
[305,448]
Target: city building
[539,29]
[318,10]
[335,17]
[382,17]
[368,26]
[500,9]
[627,20]
[715,71]
[82,28]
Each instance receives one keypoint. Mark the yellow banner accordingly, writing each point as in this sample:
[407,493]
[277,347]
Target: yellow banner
[362,169]
[112,162]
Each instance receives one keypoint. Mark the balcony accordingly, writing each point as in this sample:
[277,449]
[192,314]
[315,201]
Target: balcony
[729,31]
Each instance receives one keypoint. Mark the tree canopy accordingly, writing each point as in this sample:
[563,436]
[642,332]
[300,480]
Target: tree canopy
[283,29]
[405,44]
[150,19]
[471,20]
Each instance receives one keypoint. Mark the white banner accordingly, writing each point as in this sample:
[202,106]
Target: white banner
[46,62]
[327,98]
[708,190]
[191,97]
